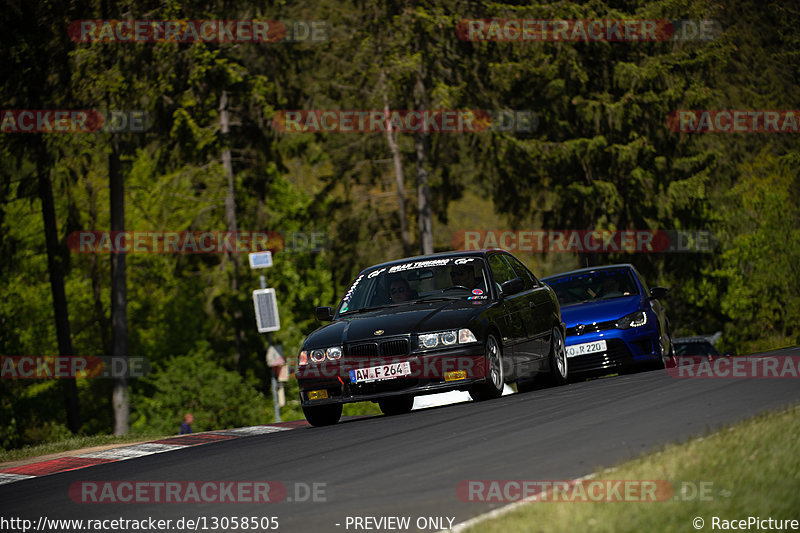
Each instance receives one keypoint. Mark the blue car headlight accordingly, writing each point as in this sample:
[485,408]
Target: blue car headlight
[634,320]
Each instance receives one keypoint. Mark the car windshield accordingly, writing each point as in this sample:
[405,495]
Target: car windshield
[695,348]
[594,285]
[417,281]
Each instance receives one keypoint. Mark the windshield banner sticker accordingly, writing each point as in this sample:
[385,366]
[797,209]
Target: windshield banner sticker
[352,288]
[419,264]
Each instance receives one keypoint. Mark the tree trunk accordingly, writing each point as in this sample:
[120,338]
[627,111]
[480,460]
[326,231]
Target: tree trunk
[55,267]
[230,223]
[423,191]
[100,320]
[119,292]
[391,138]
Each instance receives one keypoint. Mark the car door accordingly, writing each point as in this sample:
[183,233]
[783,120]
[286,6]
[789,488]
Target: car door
[537,317]
[514,306]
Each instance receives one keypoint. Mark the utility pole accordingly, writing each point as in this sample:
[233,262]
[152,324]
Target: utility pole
[267,320]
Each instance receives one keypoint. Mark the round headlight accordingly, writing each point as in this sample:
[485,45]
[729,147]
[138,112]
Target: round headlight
[334,353]
[428,341]
[449,338]
[317,356]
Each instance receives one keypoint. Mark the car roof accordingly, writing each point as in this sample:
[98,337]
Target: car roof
[590,269]
[439,255]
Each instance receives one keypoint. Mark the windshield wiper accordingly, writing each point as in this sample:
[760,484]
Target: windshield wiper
[363,310]
[395,304]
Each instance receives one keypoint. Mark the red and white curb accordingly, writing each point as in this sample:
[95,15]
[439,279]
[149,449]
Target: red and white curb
[84,460]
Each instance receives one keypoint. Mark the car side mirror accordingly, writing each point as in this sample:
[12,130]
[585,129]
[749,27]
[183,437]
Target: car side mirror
[512,286]
[323,314]
[657,293]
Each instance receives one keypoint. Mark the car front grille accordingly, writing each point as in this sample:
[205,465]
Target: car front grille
[367,349]
[394,347]
[581,329]
[615,357]
[387,348]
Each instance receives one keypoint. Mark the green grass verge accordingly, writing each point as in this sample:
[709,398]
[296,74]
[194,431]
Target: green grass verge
[748,469]
[73,443]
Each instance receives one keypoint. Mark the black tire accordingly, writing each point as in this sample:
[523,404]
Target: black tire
[671,359]
[665,359]
[559,367]
[397,405]
[493,387]
[323,415]
[559,364]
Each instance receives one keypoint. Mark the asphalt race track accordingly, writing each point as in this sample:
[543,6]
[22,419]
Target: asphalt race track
[410,465]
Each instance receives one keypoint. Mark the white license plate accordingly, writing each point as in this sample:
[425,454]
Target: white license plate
[587,347]
[378,373]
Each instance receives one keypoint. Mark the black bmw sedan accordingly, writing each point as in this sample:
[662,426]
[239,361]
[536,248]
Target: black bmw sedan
[450,321]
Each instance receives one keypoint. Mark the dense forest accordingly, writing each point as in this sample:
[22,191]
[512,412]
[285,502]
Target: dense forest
[224,135]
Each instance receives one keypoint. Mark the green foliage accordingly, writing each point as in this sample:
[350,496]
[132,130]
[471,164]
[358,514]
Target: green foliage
[761,254]
[601,157]
[196,383]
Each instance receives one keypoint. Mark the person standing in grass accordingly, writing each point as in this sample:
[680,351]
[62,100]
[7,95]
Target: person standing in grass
[186,427]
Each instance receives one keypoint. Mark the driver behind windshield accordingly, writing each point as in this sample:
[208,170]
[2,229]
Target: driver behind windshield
[464,276]
[400,291]
[612,288]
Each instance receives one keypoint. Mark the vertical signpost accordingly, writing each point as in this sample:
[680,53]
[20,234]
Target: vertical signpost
[267,320]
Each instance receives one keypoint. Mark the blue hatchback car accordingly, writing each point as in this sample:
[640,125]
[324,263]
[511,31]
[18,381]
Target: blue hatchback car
[614,322]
